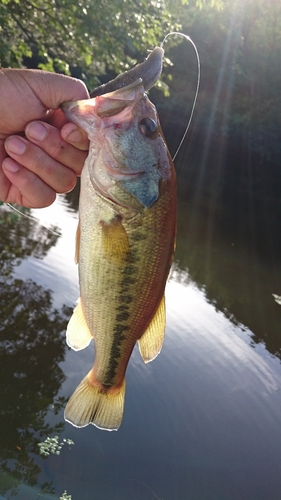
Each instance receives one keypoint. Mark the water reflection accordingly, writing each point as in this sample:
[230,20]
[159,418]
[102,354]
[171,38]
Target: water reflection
[32,344]
[58,268]
[237,280]
[20,238]
[201,421]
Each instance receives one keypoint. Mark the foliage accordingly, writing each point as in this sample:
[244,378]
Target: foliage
[238,42]
[80,37]
[201,4]
[84,38]
[240,53]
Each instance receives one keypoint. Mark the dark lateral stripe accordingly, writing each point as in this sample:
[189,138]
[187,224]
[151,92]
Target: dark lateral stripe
[122,315]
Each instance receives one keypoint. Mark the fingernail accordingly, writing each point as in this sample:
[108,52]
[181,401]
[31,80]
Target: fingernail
[74,135]
[15,145]
[10,165]
[36,130]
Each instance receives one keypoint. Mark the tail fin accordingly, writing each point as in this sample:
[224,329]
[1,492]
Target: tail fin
[89,404]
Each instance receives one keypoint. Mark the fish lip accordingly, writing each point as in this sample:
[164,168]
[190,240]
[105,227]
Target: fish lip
[149,71]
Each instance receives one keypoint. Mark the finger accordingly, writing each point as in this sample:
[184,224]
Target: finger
[55,175]
[54,88]
[4,182]
[49,139]
[26,188]
[31,94]
[74,135]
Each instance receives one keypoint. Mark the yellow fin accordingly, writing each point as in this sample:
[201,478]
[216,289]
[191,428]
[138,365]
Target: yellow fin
[77,246]
[78,335]
[151,342]
[89,404]
[115,240]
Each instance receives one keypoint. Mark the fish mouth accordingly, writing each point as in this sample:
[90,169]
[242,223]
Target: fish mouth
[148,71]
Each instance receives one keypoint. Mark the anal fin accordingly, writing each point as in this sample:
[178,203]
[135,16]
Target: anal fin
[151,342]
[78,335]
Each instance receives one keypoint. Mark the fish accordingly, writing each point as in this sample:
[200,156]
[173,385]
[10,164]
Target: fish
[125,239]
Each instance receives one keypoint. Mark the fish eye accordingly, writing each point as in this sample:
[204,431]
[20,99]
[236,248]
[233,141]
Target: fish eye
[148,127]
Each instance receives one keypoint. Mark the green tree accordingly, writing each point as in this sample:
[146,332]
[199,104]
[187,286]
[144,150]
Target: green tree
[240,52]
[83,37]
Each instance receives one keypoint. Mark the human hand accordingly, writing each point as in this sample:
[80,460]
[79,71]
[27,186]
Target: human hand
[40,153]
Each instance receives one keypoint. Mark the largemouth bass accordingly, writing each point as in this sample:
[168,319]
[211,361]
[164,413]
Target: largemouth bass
[125,239]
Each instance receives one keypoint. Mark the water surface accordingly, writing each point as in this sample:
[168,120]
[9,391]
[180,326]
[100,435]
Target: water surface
[202,421]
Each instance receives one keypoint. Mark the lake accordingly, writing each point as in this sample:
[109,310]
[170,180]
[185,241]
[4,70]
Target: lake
[203,420]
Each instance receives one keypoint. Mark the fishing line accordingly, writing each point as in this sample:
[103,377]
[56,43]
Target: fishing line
[197,86]
[33,218]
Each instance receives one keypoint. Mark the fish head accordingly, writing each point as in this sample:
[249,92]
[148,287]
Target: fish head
[128,159]
[90,114]
[135,155]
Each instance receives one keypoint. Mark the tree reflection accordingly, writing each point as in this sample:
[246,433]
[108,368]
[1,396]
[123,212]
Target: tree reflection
[235,278]
[21,237]
[32,344]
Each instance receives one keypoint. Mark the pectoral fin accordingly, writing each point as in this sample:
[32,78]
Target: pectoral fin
[115,240]
[78,335]
[151,342]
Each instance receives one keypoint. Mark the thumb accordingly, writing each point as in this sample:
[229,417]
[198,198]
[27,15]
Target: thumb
[52,89]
